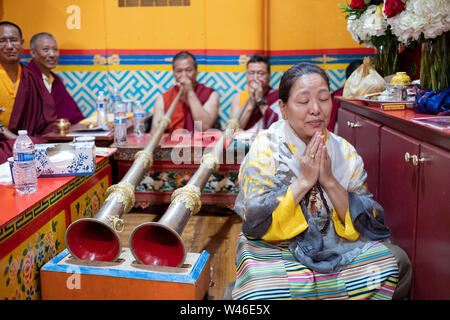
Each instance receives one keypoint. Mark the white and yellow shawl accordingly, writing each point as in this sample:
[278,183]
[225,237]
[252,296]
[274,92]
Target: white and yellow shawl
[266,204]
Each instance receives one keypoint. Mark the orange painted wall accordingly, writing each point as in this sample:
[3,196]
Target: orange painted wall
[205,24]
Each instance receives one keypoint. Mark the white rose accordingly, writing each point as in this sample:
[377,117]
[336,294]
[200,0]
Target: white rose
[431,17]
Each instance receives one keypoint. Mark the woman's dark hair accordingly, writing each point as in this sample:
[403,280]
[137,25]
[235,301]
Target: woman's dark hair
[9,23]
[184,55]
[295,72]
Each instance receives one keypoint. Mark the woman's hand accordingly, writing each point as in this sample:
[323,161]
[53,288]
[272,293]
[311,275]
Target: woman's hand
[311,159]
[310,168]
[337,194]
[326,177]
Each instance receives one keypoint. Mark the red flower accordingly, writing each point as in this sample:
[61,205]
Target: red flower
[357,4]
[393,7]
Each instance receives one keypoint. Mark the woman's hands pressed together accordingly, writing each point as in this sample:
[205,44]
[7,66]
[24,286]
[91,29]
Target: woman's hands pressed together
[315,166]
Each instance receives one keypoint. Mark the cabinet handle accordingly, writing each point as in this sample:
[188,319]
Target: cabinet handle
[407,157]
[416,161]
[353,125]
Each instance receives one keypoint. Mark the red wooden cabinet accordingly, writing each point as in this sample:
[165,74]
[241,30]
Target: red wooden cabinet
[412,185]
[414,192]
[364,135]
[399,183]
[345,130]
[432,261]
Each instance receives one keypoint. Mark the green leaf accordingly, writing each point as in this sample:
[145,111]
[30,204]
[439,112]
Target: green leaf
[57,244]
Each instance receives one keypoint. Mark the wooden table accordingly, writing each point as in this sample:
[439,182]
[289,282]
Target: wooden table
[32,227]
[100,140]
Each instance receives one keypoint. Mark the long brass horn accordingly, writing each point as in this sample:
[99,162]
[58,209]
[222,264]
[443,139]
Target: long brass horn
[98,238]
[160,243]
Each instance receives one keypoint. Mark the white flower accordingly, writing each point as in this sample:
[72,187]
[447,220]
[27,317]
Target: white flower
[430,17]
[370,23]
[374,23]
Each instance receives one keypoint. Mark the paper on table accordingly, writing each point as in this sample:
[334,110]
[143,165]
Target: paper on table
[90,133]
[5,173]
[62,158]
[104,152]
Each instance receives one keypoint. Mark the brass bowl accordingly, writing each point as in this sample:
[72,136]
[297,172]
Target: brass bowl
[62,125]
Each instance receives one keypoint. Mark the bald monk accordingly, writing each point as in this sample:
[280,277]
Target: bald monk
[45,57]
[198,107]
[24,100]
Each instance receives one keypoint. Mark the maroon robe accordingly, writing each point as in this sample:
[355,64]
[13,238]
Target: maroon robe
[33,110]
[269,116]
[65,105]
[181,116]
[334,108]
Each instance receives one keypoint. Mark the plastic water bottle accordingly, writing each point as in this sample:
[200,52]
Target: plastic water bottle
[24,164]
[120,123]
[115,97]
[138,119]
[102,114]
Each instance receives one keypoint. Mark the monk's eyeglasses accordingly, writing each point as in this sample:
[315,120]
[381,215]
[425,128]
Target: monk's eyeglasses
[12,41]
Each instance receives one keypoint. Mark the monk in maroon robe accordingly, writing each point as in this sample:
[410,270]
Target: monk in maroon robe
[26,103]
[182,116]
[34,111]
[45,53]
[65,105]
[262,108]
[198,107]
[270,115]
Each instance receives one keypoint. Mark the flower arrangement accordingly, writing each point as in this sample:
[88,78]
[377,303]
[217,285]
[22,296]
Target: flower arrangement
[368,26]
[428,23]
[390,24]
[411,19]
[365,20]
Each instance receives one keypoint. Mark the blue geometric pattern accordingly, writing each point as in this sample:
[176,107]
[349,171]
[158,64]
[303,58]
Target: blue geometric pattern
[146,86]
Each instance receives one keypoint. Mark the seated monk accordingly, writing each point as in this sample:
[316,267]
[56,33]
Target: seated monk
[25,102]
[198,106]
[263,109]
[45,57]
[310,228]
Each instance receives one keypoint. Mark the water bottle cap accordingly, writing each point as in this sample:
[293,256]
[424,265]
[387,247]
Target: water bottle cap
[23,132]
